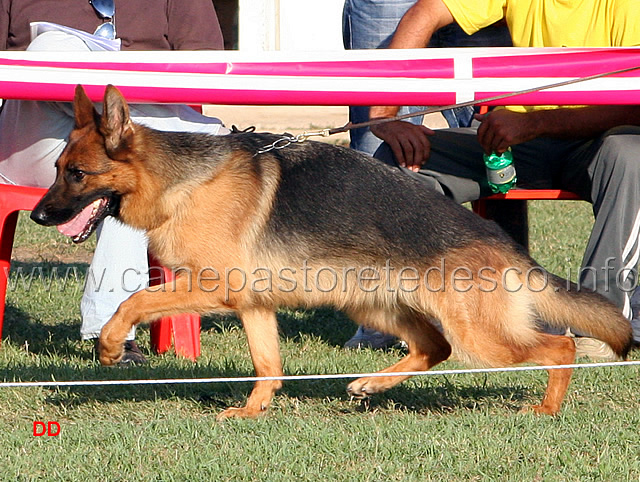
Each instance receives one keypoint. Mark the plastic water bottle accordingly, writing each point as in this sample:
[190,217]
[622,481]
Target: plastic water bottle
[501,173]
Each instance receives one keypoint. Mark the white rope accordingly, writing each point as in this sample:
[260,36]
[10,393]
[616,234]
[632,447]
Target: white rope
[175,381]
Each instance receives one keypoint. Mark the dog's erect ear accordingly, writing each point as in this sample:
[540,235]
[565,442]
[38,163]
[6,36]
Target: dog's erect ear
[83,109]
[116,126]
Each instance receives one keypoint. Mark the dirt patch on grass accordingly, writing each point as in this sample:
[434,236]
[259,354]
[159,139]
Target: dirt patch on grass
[48,254]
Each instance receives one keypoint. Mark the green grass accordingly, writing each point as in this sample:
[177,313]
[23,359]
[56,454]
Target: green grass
[456,427]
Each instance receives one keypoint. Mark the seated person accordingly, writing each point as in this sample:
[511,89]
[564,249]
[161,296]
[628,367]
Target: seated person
[370,25]
[589,150]
[34,133]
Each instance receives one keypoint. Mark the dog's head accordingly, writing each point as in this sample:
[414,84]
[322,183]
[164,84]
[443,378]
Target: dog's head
[94,171]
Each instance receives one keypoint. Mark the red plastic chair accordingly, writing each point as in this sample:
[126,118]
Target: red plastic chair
[513,215]
[13,199]
[480,207]
[185,328]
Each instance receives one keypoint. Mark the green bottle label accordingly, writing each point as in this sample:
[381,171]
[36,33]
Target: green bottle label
[501,176]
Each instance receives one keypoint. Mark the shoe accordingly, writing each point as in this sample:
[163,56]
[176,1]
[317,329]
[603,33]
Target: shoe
[367,338]
[594,349]
[132,354]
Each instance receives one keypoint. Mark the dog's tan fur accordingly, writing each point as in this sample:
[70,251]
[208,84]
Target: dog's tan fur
[219,218]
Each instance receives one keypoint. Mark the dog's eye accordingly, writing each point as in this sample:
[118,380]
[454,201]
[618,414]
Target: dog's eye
[76,175]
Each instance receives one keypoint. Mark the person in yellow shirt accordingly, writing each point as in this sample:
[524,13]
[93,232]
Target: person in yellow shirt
[590,150]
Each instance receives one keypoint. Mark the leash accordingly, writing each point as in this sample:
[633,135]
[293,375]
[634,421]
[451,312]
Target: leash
[287,139]
[349,126]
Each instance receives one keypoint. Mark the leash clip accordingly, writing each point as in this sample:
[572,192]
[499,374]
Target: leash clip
[280,143]
[305,135]
[287,140]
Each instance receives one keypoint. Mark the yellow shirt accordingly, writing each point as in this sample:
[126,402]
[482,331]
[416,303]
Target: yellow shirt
[555,23]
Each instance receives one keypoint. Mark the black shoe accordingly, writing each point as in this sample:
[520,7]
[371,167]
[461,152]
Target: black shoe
[132,355]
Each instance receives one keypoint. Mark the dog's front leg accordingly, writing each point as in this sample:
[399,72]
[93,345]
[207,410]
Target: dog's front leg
[178,296]
[261,327]
[113,336]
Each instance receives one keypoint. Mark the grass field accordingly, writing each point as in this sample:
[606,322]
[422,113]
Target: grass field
[455,427]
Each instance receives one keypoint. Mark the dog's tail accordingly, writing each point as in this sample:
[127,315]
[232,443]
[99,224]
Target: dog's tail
[560,303]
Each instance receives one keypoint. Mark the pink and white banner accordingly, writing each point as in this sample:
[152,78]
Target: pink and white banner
[382,77]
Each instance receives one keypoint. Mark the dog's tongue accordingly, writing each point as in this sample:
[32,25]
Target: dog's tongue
[79,222]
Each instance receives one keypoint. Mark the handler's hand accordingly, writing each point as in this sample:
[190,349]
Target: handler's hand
[409,143]
[502,128]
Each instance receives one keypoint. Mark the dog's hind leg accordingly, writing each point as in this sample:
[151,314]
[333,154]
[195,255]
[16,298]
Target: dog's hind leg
[261,327]
[427,348]
[552,350]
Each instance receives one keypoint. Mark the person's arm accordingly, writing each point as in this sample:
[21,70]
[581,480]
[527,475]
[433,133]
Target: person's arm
[410,143]
[502,128]
[193,25]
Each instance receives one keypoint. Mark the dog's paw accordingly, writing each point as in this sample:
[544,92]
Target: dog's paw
[243,412]
[362,388]
[539,410]
[110,353]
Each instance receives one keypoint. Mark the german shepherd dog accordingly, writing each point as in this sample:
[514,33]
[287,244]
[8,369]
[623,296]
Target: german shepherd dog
[251,229]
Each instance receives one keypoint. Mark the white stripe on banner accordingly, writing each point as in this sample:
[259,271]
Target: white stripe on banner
[463,69]
[217,84]
[266,57]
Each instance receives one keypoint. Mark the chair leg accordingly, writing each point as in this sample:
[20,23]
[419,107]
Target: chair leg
[161,335]
[184,328]
[186,335]
[8,222]
[510,214]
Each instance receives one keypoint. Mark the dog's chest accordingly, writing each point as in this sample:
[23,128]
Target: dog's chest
[166,249]
[174,241]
